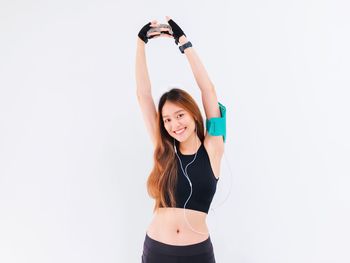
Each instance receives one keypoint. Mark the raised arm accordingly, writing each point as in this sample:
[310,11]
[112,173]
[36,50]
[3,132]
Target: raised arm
[209,98]
[201,76]
[198,69]
[143,83]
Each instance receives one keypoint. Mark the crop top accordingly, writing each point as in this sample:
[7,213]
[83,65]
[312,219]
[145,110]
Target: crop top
[203,181]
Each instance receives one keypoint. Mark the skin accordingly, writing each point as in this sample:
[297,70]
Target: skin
[168,224]
[174,121]
[155,23]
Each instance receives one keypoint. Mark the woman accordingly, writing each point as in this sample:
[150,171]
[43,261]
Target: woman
[186,161]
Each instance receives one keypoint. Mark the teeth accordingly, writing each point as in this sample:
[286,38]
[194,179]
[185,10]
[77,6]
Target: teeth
[180,131]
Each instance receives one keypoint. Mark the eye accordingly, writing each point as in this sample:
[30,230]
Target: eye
[181,114]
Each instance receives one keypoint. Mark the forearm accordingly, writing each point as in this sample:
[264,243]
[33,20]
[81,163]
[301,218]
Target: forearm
[198,69]
[143,83]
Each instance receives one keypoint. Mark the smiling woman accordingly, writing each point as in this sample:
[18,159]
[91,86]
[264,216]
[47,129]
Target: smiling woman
[180,121]
[186,160]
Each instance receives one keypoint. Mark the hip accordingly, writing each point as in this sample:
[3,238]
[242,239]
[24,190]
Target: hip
[157,252]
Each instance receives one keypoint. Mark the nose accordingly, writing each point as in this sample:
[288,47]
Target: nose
[176,126]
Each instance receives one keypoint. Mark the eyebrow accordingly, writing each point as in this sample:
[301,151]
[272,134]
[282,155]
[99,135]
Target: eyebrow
[174,113]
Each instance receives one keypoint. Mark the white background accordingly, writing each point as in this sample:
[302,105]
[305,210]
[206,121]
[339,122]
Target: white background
[75,154]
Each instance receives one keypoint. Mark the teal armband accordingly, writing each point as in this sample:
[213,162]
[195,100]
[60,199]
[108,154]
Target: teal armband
[216,126]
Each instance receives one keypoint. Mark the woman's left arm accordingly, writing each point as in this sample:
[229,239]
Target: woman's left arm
[209,98]
[198,69]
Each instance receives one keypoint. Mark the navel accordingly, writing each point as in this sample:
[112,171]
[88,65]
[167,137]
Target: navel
[177,231]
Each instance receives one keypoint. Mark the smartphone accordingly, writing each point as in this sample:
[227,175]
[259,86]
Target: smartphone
[161,28]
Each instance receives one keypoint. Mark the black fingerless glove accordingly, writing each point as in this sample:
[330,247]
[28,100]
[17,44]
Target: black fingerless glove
[143,32]
[177,31]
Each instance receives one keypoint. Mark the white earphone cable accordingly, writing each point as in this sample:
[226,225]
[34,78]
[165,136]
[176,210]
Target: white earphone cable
[190,183]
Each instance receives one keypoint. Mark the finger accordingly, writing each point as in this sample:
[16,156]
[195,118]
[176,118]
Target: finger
[154,23]
[167,18]
[164,29]
[165,32]
[154,34]
[162,36]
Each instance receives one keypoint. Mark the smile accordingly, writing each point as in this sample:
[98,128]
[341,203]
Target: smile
[180,131]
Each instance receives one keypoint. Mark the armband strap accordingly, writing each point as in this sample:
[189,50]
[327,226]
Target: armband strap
[216,126]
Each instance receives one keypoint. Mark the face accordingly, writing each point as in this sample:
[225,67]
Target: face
[177,121]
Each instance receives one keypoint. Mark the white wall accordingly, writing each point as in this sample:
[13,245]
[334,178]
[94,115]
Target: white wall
[75,154]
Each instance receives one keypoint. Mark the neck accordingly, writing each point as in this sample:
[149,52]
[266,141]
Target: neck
[191,145]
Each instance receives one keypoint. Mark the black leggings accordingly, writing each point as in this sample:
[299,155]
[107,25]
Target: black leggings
[158,252]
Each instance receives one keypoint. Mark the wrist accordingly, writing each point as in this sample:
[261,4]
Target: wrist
[140,42]
[185,46]
[182,40]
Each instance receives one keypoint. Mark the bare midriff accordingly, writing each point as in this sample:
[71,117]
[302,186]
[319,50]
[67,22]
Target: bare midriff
[169,226]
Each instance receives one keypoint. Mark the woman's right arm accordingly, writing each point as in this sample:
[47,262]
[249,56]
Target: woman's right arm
[143,91]
[143,83]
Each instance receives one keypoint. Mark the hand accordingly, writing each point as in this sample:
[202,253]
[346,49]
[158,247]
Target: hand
[143,32]
[177,31]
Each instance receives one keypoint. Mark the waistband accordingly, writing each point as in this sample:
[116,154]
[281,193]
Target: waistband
[153,246]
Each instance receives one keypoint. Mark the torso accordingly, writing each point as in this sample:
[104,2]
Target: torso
[169,224]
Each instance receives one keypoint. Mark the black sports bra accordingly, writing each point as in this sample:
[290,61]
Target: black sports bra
[202,178]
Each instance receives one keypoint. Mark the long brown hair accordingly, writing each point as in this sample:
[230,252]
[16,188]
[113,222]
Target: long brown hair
[161,182]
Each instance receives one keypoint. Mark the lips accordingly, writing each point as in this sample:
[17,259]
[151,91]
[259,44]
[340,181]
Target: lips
[180,131]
